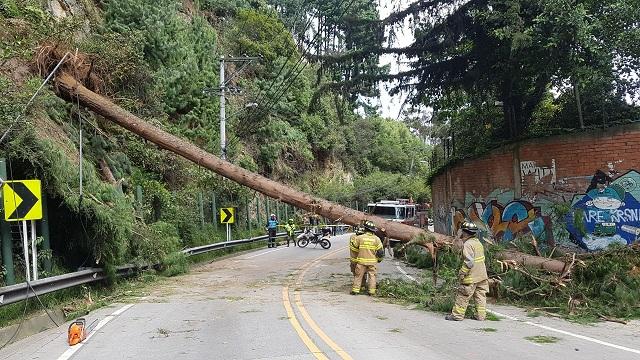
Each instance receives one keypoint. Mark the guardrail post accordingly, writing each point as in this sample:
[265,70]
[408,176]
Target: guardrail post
[214,210]
[7,239]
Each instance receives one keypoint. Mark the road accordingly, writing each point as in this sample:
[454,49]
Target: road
[291,303]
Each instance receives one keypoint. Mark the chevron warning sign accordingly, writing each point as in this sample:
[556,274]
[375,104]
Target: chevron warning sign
[227,215]
[22,200]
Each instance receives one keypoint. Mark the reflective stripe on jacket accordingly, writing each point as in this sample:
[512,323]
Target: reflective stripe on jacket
[272,224]
[473,268]
[362,248]
[290,229]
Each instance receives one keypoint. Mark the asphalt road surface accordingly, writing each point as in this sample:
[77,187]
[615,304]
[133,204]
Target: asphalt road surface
[292,303]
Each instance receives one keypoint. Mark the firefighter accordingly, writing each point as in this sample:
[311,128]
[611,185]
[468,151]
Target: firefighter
[272,227]
[366,251]
[290,227]
[359,230]
[473,276]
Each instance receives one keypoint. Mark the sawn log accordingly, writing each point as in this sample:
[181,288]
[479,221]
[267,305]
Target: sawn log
[69,88]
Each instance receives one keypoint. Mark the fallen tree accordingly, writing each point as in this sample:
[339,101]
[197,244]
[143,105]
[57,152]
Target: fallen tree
[73,90]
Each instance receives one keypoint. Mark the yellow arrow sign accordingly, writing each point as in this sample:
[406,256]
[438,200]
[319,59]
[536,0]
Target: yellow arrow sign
[22,200]
[227,215]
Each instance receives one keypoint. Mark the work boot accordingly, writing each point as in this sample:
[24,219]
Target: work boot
[452,318]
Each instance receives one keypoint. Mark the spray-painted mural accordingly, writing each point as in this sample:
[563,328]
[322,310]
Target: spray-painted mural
[505,222]
[608,213]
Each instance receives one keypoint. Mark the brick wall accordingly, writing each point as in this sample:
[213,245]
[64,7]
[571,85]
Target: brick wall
[514,190]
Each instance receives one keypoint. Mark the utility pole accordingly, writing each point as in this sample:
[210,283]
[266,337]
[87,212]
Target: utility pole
[223,86]
[223,120]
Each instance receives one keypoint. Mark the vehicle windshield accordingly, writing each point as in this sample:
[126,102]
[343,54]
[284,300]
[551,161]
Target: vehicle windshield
[388,212]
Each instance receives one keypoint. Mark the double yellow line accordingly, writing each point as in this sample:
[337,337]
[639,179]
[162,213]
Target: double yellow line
[307,318]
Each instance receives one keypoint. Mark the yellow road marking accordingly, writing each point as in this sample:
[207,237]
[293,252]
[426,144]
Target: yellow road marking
[296,325]
[305,315]
[343,354]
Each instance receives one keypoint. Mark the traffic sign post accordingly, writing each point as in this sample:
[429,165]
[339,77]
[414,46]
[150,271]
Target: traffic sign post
[34,250]
[228,217]
[23,202]
[25,246]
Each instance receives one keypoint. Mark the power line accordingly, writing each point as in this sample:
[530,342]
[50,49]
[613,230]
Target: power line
[285,87]
[33,97]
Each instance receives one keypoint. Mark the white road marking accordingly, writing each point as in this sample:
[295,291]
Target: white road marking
[260,254]
[72,350]
[404,272]
[578,336]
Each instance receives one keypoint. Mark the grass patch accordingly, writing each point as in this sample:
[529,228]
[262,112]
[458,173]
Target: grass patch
[543,339]
[80,300]
[487,330]
[493,317]
[174,264]
[534,313]
[382,317]
[604,285]
[395,330]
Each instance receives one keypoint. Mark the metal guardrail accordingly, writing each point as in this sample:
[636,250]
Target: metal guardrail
[18,292]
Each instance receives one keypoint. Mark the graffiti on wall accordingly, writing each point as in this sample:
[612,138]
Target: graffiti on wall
[505,222]
[608,213]
[539,173]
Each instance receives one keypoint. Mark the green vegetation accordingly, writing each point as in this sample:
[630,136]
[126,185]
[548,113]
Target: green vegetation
[543,339]
[160,60]
[487,330]
[602,286]
[492,72]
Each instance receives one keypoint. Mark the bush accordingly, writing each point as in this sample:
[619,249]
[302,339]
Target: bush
[174,264]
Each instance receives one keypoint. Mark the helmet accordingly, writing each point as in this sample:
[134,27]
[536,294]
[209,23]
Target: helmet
[359,230]
[369,225]
[290,221]
[272,216]
[469,227]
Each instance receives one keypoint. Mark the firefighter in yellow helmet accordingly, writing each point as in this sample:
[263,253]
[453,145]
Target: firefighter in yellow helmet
[366,251]
[473,276]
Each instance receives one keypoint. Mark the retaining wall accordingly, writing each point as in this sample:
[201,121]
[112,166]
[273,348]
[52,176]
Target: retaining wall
[583,188]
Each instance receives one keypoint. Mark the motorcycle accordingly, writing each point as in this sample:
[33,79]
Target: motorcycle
[313,237]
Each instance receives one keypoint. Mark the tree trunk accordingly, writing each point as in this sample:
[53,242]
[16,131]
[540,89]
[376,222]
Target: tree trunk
[72,89]
[106,172]
[576,91]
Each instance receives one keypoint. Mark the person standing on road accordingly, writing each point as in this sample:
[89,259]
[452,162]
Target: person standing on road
[366,251]
[272,227]
[290,227]
[473,276]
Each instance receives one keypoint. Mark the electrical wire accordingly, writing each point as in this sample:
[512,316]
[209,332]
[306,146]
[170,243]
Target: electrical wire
[284,86]
[311,44]
[33,97]
[261,95]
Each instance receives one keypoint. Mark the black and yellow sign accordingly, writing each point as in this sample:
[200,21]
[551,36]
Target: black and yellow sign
[22,200]
[227,215]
